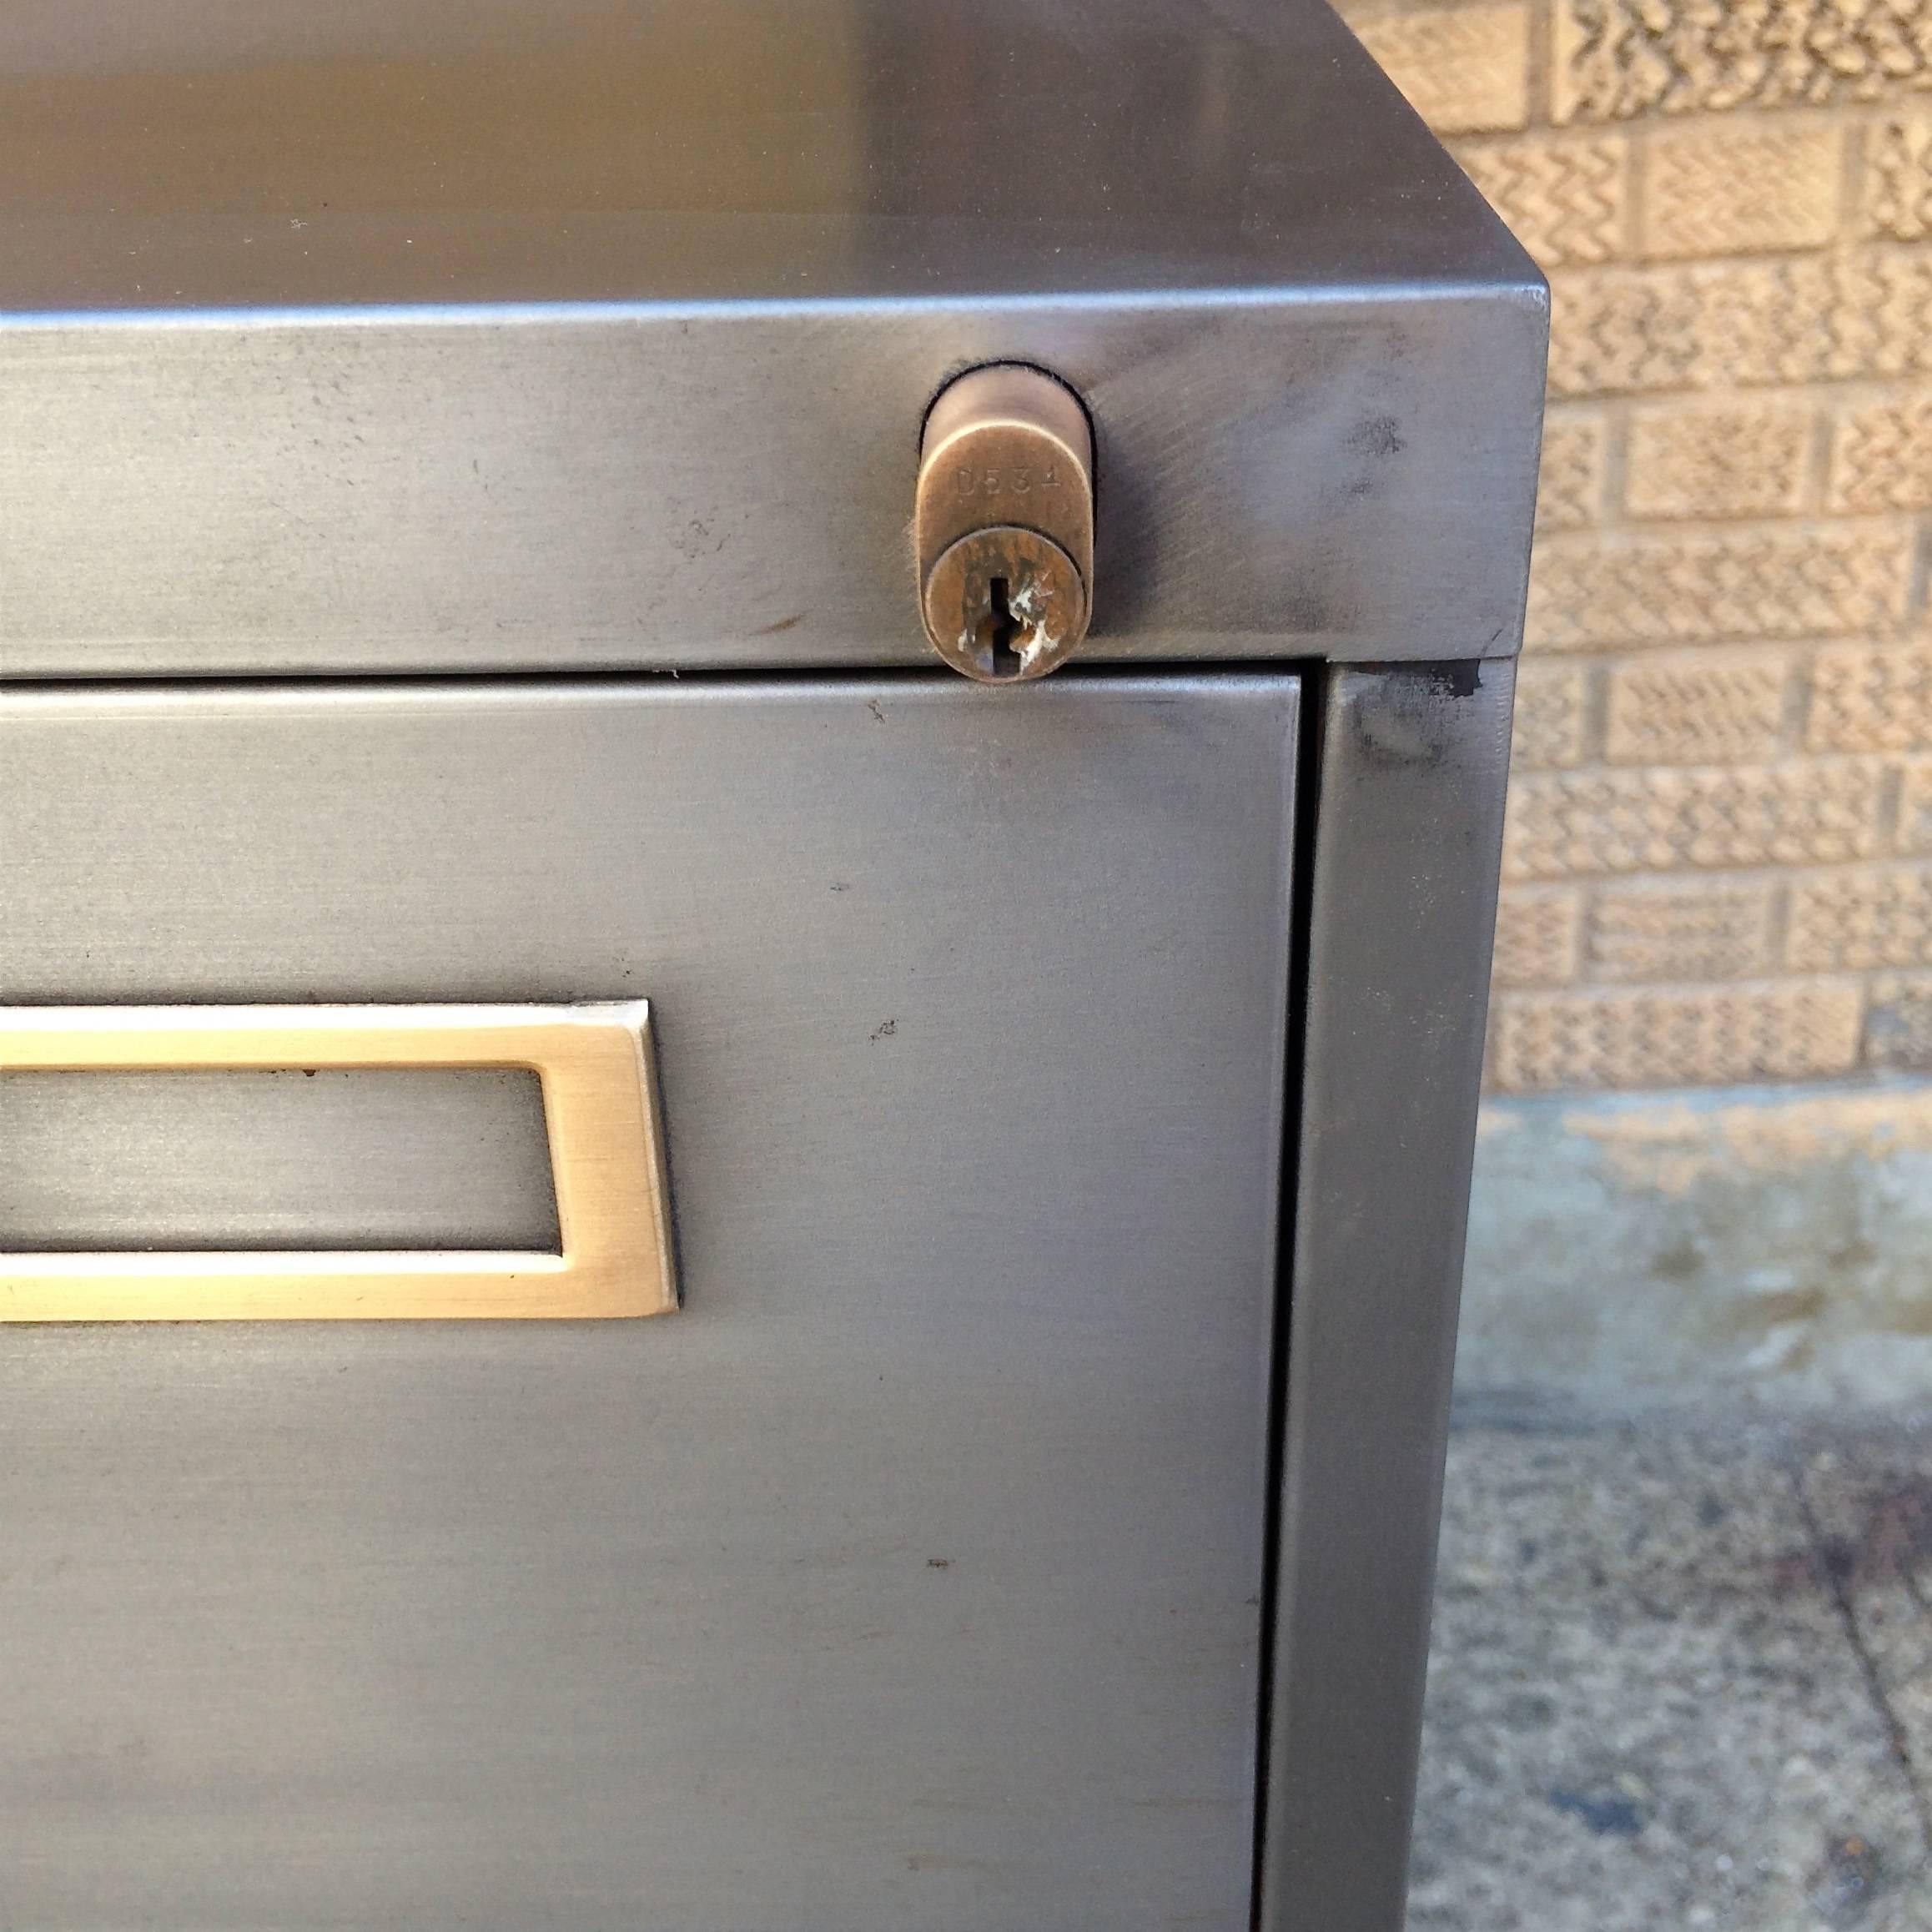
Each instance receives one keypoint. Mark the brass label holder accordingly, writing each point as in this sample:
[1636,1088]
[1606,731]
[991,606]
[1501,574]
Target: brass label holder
[596,1064]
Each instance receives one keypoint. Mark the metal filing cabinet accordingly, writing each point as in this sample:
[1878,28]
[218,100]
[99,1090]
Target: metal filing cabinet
[495,502]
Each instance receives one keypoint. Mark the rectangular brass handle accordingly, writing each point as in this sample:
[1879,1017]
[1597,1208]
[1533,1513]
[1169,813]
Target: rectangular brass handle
[596,1064]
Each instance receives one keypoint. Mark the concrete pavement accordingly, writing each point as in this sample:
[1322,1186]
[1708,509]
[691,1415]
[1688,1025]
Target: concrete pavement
[1681,1677]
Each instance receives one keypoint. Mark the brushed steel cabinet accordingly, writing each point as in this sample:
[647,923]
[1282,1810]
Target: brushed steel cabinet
[912,1575]
[466,553]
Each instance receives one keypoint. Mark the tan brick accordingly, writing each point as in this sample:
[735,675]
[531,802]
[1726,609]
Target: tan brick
[1464,70]
[1881,455]
[1899,1023]
[1845,922]
[1813,319]
[1615,59]
[1720,190]
[1700,1036]
[1763,582]
[1868,700]
[1570,484]
[1536,938]
[1564,198]
[1696,708]
[1616,330]
[1897,196]
[1551,710]
[1746,461]
[1697,928]
[1915,806]
[1571,824]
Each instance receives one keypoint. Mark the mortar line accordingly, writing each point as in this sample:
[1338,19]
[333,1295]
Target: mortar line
[1838,1584]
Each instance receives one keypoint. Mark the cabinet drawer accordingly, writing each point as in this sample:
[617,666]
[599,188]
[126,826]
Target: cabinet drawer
[909,1576]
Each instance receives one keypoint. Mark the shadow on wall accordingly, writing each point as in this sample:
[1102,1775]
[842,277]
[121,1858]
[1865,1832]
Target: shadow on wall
[1774,1244]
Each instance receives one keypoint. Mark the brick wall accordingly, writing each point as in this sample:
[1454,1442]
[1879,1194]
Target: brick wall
[1718,861]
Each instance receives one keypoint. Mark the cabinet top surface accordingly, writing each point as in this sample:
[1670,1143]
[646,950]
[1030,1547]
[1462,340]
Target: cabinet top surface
[198,154]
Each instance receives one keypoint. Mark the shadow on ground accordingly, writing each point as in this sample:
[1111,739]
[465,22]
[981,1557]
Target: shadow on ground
[1681,1677]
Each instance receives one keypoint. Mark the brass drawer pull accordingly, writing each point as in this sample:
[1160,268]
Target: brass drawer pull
[597,1067]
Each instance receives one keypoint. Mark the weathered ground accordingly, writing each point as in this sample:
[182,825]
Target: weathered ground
[1682,1678]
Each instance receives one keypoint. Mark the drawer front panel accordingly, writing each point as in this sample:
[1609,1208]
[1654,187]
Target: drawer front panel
[271,1160]
[909,1576]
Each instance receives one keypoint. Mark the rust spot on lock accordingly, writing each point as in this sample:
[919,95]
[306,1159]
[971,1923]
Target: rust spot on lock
[1004,524]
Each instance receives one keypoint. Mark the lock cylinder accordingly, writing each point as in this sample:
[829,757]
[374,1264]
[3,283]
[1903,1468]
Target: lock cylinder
[1003,522]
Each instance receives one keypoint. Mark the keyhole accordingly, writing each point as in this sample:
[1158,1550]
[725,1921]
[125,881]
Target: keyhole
[998,629]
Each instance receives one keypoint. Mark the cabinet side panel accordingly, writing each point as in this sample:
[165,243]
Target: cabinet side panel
[1406,850]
